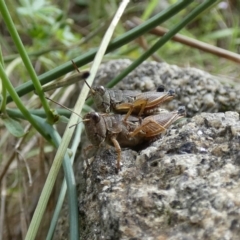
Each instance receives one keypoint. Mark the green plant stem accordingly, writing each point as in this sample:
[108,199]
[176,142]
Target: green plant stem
[71,190]
[150,8]
[42,203]
[50,181]
[16,113]
[202,7]
[12,30]
[3,91]
[105,41]
[77,137]
[116,43]
[20,105]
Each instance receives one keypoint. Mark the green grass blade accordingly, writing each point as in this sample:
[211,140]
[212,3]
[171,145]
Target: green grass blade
[16,113]
[62,194]
[52,175]
[150,8]
[105,41]
[3,91]
[71,193]
[8,85]
[15,37]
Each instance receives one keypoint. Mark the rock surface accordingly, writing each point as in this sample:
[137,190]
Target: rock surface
[186,184]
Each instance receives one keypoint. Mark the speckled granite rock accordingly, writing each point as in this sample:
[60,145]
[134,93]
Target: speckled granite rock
[186,185]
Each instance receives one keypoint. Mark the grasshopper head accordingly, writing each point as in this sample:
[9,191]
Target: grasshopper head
[171,93]
[95,128]
[102,99]
[160,88]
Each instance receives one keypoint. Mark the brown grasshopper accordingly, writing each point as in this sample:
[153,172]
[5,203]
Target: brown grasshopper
[129,102]
[111,129]
[114,130]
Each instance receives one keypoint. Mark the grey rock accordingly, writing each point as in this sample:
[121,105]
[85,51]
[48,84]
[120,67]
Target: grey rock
[186,184]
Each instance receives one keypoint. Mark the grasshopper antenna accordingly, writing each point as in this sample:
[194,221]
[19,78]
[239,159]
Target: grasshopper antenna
[63,106]
[85,120]
[75,66]
[83,75]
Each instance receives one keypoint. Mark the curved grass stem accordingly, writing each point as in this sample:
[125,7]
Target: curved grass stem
[12,30]
[7,84]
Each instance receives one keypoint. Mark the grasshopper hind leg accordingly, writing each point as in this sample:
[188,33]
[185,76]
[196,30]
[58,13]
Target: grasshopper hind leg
[128,113]
[118,150]
[142,104]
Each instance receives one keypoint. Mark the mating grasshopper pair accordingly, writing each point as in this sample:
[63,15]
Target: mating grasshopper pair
[127,130]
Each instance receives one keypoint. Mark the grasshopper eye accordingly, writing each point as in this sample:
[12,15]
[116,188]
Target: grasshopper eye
[95,117]
[160,88]
[101,89]
[182,111]
[171,92]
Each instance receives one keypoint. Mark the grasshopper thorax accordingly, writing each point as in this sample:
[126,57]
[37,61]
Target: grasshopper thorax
[102,99]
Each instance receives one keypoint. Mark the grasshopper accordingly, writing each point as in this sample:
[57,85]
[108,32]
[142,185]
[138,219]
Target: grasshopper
[112,129]
[115,131]
[129,102]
